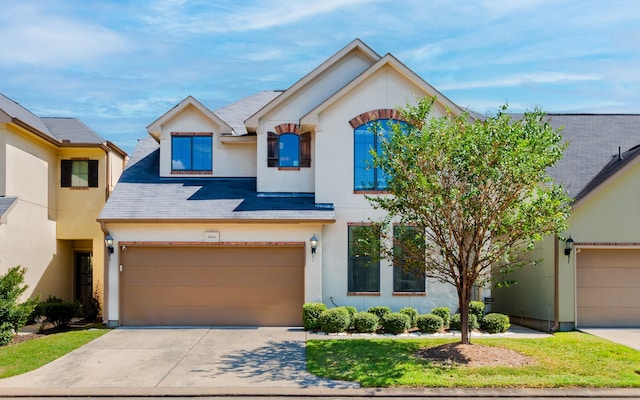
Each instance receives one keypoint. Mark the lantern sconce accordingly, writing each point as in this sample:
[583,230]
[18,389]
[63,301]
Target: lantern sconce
[108,241]
[314,245]
[568,247]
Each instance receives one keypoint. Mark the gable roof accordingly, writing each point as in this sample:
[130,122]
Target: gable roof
[155,127]
[57,131]
[141,195]
[355,46]
[594,140]
[388,60]
[235,113]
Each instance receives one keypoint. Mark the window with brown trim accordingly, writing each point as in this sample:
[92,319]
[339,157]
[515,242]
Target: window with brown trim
[79,173]
[289,150]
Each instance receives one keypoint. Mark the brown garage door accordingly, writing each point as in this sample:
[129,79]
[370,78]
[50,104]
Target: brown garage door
[237,286]
[608,283]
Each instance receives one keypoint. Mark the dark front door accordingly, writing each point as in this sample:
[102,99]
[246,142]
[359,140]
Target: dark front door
[84,276]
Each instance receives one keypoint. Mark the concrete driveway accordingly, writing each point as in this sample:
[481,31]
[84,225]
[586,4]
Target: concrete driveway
[629,337]
[182,358]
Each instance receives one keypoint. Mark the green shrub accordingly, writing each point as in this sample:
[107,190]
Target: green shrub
[477,308]
[444,313]
[90,307]
[456,322]
[334,320]
[57,311]
[366,322]
[412,313]
[430,323]
[395,322]
[310,314]
[352,311]
[13,314]
[495,323]
[380,311]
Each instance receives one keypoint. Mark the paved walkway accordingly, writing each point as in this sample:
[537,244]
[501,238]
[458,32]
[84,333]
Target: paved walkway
[220,362]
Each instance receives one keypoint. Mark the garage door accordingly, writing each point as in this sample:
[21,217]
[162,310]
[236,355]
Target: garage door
[608,284]
[237,286]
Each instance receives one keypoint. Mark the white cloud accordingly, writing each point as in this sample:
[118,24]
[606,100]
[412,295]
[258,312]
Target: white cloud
[36,36]
[522,79]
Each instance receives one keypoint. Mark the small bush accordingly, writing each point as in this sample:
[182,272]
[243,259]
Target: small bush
[352,311]
[13,314]
[380,311]
[90,307]
[430,323]
[444,313]
[477,308]
[456,322]
[57,311]
[495,323]
[310,314]
[413,315]
[395,322]
[334,320]
[366,322]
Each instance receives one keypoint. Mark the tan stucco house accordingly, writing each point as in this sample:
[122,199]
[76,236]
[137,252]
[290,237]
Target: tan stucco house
[213,217]
[55,176]
[596,284]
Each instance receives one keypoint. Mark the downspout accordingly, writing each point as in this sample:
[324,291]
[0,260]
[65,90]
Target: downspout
[556,286]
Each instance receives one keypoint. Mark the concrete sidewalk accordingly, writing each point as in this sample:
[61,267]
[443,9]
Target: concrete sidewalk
[222,362]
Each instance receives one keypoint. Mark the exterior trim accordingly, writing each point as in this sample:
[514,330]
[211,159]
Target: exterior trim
[409,294]
[373,115]
[287,128]
[211,244]
[363,293]
[219,220]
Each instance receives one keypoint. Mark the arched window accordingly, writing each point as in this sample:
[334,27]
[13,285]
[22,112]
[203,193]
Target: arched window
[289,150]
[367,137]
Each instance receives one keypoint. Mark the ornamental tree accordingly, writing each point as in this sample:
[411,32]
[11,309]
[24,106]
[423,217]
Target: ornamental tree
[475,192]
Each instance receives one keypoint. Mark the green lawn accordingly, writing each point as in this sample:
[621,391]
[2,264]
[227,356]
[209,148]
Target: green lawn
[27,356]
[569,359]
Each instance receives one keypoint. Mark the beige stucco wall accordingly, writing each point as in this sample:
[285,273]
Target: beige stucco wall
[194,233]
[607,218]
[229,160]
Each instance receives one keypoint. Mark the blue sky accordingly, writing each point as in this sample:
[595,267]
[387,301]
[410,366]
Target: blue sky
[118,65]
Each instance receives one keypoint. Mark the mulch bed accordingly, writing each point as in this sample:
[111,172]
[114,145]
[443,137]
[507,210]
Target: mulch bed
[474,355]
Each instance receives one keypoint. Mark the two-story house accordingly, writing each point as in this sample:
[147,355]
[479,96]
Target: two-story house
[240,215]
[214,215]
[55,176]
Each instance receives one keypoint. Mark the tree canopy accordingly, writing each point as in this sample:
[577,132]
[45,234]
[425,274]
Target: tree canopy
[476,192]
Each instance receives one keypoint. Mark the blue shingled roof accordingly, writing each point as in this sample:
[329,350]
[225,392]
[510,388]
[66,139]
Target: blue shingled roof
[141,194]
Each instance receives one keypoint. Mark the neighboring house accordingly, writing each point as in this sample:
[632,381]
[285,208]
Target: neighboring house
[598,282]
[55,177]
[212,219]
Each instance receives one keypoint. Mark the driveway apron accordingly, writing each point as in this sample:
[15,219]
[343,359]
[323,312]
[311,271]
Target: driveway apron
[182,357]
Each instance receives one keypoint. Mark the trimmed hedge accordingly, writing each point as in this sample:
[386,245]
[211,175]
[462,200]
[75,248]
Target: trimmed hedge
[310,314]
[430,323]
[395,322]
[366,322]
[456,322]
[477,308]
[57,311]
[412,313]
[334,320]
[495,323]
[444,313]
[380,311]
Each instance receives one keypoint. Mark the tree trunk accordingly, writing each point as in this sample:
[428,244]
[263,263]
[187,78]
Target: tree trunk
[464,298]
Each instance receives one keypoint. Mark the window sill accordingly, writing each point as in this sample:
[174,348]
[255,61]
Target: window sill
[191,172]
[288,168]
[371,192]
[409,294]
[363,293]
[79,187]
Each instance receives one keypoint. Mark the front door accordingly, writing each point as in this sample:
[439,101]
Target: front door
[84,276]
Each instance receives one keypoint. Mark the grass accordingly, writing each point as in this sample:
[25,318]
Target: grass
[569,359]
[32,354]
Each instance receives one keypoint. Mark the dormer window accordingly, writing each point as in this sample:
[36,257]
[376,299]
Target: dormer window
[191,152]
[287,148]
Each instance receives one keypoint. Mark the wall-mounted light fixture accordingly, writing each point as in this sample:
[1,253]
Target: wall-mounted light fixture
[314,245]
[568,247]
[108,241]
